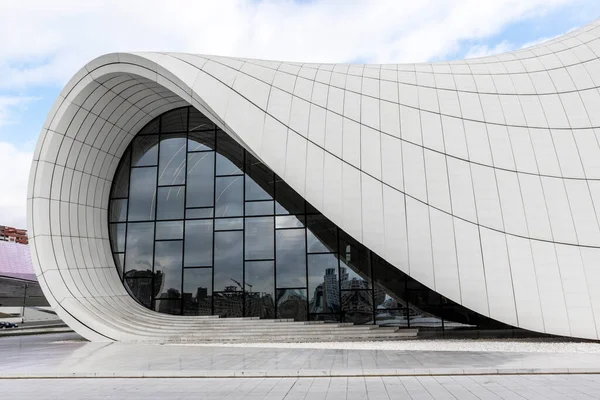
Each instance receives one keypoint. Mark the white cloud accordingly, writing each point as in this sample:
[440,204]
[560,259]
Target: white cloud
[49,41]
[485,50]
[13,184]
[9,107]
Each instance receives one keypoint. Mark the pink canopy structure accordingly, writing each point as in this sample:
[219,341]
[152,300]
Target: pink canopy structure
[15,261]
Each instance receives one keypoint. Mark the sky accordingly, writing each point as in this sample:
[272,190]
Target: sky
[43,43]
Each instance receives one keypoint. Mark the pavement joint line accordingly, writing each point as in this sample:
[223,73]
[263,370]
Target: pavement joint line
[303,374]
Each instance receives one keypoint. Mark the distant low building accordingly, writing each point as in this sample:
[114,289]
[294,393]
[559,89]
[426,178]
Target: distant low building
[10,234]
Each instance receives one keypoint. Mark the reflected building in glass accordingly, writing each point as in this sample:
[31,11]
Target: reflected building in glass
[221,234]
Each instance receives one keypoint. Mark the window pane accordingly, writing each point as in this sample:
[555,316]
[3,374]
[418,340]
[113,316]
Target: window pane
[355,267]
[391,317]
[144,151]
[229,200]
[200,187]
[291,258]
[167,268]
[321,235]
[228,224]
[259,180]
[198,243]
[288,201]
[170,202]
[229,259]
[142,197]
[141,289]
[230,157]
[118,210]
[229,304]
[291,303]
[174,121]
[171,165]
[150,128]
[119,262]
[391,281]
[259,208]
[199,122]
[117,237]
[168,306]
[289,221]
[140,247]
[199,213]
[120,185]
[260,289]
[169,230]
[259,238]
[197,291]
[323,284]
[357,306]
[201,141]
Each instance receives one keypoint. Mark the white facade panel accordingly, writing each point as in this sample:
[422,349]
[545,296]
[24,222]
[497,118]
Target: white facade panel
[484,188]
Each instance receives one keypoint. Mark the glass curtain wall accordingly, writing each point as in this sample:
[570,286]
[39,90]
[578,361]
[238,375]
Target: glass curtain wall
[199,226]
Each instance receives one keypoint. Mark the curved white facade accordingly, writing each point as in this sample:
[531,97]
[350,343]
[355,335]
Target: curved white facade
[478,178]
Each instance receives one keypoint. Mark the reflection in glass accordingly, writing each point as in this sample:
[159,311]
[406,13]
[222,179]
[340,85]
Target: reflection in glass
[141,289]
[259,238]
[120,185]
[259,208]
[321,235]
[291,258]
[198,122]
[229,224]
[323,284]
[140,247]
[118,210]
[259,282]
[169,230]
[230,155]
[289,221]
[288,201]
[117,237]
[171,166]
[170,202]
[119,262]
[150,128]
[142,196]
[167,262]
[306,268]
[229,260]
[174,121]
[197,291]
[144,151]
[198,243]
[201,141]
[291,303]
[357,306]
[200,179]
[168,306]
[259,183]
[397,317]
[229,199]
[194,213]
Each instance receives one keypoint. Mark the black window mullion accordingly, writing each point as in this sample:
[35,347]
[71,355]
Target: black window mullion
[184,208]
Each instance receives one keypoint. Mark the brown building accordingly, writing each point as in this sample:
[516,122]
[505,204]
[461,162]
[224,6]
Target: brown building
[10,234]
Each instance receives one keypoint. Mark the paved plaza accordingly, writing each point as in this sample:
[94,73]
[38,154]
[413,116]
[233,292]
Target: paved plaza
[374,388]
[65,366]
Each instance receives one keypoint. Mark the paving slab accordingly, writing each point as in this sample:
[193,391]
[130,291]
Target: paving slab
[54,356]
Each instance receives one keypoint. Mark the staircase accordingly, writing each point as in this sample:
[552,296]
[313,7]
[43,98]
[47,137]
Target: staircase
[212,329]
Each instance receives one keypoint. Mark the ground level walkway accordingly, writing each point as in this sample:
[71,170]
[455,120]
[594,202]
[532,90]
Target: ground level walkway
[67,355]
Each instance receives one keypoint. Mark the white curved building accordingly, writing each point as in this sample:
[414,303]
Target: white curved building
[478,179]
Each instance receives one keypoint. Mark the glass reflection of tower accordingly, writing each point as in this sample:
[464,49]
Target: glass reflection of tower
[331,291]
